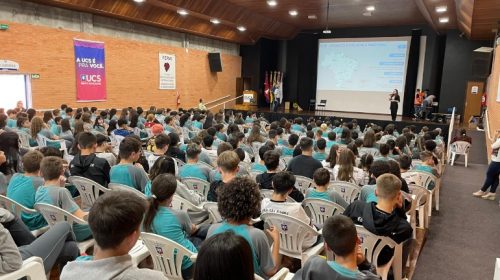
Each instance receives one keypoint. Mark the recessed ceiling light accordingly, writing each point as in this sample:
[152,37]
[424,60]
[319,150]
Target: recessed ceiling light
[444,19]
[293,13]
[215,21]
[182,12]
[139,1]
[327,31]
[312,17]
[441,9]
[272,3]
[370,8]
[241,28]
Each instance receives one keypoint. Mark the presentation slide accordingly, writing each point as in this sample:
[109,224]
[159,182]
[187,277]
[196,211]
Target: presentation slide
[358,74]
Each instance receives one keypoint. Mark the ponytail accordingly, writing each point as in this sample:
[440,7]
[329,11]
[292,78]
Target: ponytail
[151,213]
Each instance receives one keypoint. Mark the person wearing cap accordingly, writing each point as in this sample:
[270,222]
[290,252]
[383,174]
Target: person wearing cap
[156,130]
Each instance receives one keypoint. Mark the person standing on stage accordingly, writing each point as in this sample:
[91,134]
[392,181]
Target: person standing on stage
[201,105]
[426,104]
[419,98]
[394,98]
[277,97]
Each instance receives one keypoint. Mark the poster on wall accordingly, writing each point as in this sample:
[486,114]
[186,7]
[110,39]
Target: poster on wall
[167,71]
[90,71]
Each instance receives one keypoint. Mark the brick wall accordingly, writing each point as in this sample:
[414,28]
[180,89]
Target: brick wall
[493,104]
[131,69]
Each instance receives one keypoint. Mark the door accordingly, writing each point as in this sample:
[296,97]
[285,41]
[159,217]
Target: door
[473,99]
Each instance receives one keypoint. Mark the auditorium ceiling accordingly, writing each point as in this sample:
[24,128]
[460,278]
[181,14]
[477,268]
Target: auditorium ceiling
[246,21]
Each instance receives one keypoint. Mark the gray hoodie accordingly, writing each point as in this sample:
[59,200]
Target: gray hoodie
[119,268]
[9,253]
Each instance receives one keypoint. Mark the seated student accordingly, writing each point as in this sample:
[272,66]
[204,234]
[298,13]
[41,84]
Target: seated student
[53,192]
[283,185]
[265,180]
[57,245]
[320,154]
[86,163]
[260,166]
[161,143]
[104,149]
[389,134]
[331,139]
[225,256]
[156,130]
[377,169]
[128,171]
[173,148]
[384,150]
[297,125]
[123,129]
[22,188]
[115,220]
[346,170]
[173,224]
[385,217]
[192,168]
[428,166]
[322,181]
[239,201]
[208,147]
[304,164]
[404,163]
[342,240]
[227,165]
[287,151]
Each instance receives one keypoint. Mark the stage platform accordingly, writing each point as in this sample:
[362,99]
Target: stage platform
[362,118]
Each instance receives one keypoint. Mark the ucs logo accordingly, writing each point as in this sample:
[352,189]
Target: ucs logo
[91,78]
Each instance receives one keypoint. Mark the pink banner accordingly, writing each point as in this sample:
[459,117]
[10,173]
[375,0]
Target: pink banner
[90,71]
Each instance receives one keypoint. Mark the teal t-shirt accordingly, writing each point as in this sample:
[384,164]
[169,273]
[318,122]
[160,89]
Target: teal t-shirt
[330,144]
[427,169]
[55,129]
[194,170]
[258,167]
[61,197]
[353,274]
[174,225]
[319,156]
[12,123]
[129,175]
[287,151]
[368,193]
[22,189]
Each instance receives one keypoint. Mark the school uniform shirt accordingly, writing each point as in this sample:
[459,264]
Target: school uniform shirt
[304,166]
[258,167]
[329,195]
[120,267]
[368,193]
[130,175]
[176,226]
[221,136]
[12,123]
[194,170]
[287,151]
[427,169]
[358,175]
[55,129]
[197,124]
[319,156]
[122,132]
[297,127]
[61,197]
[387,137]
[369,150]
[256,238]
[110,157]
[318,268]
[292,209]
[22,189]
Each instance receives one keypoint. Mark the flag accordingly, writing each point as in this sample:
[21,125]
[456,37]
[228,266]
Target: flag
[266,88]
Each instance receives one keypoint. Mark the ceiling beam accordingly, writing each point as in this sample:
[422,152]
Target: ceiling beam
[426,14]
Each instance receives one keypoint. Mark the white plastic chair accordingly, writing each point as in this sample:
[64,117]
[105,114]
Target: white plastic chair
[125,188]
[282,165]
[320,210]
[424,179]
[197,185]
[269,193]
[286,159]
[32,269]
[459,148]
[213,212]
[422,201]
[347,190]
[255,148]
[54,215]
[167,255]
[89,190]
[43,142]
[197,213]
[292,235]
[372,245]
[282,274]
[139,252]
[24,140]
[303,183]
[18,209]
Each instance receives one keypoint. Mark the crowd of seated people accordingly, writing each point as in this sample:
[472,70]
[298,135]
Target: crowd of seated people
[237,156]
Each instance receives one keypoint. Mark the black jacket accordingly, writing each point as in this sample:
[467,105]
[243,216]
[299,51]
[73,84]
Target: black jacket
[91,167]
[393,225]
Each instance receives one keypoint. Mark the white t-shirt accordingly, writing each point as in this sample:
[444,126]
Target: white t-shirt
[358,175]
[495,156]
[292,209]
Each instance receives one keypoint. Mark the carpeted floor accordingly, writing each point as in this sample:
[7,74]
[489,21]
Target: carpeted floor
[462,242]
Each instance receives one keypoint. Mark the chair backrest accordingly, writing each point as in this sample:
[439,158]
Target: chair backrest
[53,215]
[89,190]
[125,188]
[197,185]
[460,147]
[14,206]
[167,255]
[269,193]
[292,233]
[202,163]
[287,159]
[255,148]
[137,131]
[420,178]
[24,139]
[41,140]
[32,269]
[282,165]
[347,190]
[179,203]
[213,212]
[320,210]
[179,162]
[303,183]
[245,166]
[254,174]
[422,194]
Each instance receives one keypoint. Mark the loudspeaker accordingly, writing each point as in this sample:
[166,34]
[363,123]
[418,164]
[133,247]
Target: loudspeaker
[481,65]
[215,62]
